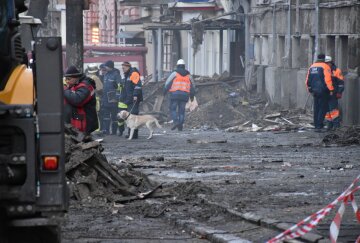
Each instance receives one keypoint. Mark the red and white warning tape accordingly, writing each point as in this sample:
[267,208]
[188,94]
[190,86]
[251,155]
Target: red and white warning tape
[306,225]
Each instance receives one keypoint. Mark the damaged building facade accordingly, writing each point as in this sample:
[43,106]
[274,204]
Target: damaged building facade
[286,36]
[270,43]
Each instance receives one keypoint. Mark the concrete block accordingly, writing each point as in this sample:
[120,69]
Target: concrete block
[260,79]
[350,109]
[354,54]
[283,226]
[251,217]
[311,237]
[268,222]
[273,85]
[303,100]
[226,238]
[288,79]
[303,56]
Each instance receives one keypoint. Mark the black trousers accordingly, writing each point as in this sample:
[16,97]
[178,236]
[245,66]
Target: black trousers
[321,104]
[109,115]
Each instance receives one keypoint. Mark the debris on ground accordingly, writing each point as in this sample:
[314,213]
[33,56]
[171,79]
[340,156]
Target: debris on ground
[343,137]
[223,103]
[90,176]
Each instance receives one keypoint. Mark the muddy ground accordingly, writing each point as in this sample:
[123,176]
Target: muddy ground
[211,179]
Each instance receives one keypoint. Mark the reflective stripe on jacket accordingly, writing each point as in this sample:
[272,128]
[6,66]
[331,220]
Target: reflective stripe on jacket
[132,87]
[82,99]
[338,80]
[181,83]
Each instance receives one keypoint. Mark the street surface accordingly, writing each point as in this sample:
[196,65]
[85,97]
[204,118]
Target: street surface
[215,178]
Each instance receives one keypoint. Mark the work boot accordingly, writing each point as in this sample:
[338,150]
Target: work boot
[174,127]
[180,127]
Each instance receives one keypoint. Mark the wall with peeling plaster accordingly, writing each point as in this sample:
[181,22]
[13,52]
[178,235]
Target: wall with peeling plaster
[284,61]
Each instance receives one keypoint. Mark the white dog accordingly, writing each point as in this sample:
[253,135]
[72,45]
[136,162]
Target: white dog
[136,121]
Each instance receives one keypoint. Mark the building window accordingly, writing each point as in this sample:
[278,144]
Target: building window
[95,34]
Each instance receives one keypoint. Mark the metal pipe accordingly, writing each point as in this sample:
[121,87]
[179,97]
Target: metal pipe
[316,30]
[288,44]
[116,22]
[74,33]
[297,30]
[221,52]
[154,59]
[229,52]
[159,54]
[273,61]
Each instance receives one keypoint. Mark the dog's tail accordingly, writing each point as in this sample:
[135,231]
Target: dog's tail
[157,123]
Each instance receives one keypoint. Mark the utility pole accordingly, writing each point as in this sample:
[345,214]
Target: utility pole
[74,33]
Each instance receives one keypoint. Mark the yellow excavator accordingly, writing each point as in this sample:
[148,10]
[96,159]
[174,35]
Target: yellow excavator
[33,191]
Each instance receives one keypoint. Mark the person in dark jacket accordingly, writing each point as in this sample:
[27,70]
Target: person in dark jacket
[131,93]
[80,101]
[181,86]
[320,85]
[109,100]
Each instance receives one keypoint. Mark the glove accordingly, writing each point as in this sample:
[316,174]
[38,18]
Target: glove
[338,95]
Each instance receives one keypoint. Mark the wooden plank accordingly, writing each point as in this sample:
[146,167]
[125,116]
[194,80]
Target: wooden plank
[158,103]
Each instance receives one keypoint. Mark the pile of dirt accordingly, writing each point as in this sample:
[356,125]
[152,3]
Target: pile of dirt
[343,137]
[91,177]
[238,113]
[225,103]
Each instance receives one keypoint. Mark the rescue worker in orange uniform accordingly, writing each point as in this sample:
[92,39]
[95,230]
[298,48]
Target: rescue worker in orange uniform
[181,87]
[131,92]
[319,84]
[79,95]
[332,117]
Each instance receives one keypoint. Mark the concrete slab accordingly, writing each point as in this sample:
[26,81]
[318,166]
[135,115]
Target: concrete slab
[303,100]
[273,85]
[260,80]
[351,98]
[288,79]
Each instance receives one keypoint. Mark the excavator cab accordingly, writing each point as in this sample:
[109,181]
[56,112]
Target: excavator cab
[33,191]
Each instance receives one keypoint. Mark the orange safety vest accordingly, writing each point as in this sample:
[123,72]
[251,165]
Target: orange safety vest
[181,83]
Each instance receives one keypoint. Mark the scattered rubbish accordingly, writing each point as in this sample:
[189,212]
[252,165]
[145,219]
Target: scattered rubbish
[129,218]
[343,137]
[286,164]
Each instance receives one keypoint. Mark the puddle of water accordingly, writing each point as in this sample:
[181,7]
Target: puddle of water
[287,194]
[187,175]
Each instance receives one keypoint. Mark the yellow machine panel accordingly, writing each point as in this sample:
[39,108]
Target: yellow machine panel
[19,89]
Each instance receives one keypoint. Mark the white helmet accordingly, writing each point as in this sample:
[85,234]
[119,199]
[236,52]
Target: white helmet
[328,59]
[92,68]
[180,62]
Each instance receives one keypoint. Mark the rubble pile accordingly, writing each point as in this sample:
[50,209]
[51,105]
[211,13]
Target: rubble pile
[239,113]
[91,177]
[343,137]
[224,103]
